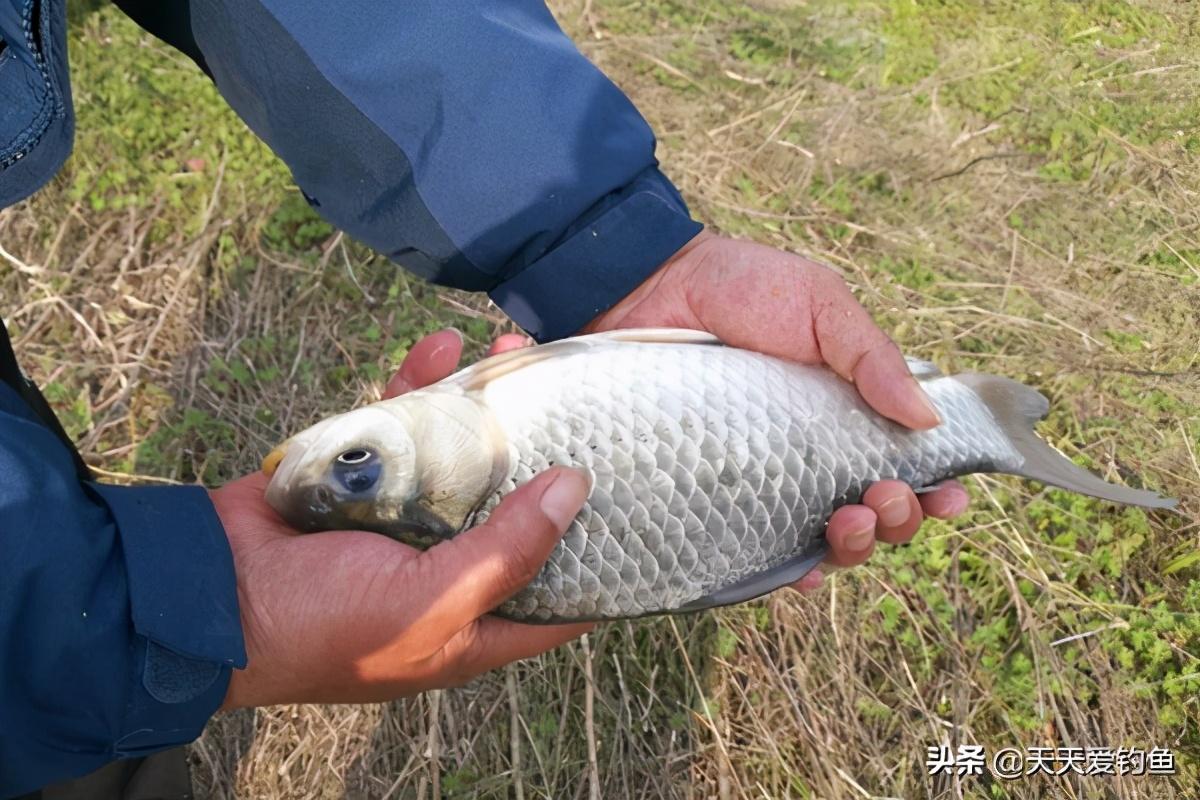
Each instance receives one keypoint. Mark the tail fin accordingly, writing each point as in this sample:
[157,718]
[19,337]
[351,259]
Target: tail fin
[1018,408]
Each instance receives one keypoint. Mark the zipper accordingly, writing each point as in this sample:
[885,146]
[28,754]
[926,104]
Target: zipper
[51,105]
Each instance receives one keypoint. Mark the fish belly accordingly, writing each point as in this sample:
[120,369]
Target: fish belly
[709,465]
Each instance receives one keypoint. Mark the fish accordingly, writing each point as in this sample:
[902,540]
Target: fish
[713,469]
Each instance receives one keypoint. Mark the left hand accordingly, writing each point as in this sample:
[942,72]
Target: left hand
[759,298]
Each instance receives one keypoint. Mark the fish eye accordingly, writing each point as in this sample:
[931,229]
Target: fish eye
[354,457]
[357,470]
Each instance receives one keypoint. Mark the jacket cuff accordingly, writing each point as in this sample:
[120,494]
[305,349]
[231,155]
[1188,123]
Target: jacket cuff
[184,610]
[617,246]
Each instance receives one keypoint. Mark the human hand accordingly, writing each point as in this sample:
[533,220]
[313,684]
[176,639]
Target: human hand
[763,299]
[351,616]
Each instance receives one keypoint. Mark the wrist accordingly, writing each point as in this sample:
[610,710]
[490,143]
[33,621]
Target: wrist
[600,259]
[240,508]
[671,280]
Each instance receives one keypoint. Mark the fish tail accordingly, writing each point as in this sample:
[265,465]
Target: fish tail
[1018,408]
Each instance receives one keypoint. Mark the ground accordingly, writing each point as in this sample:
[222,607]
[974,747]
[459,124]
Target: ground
[1012,187]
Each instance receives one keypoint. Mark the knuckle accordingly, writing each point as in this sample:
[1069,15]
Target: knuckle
[519,562]
[879,344]
[424,570]
[516,569]
[420,649]
[834,282]
[820,274]
[465,665]
[474,650]
[875,345]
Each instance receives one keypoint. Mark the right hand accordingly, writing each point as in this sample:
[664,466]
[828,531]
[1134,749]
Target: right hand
[351,616]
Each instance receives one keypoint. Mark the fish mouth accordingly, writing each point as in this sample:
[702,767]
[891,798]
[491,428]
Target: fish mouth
[280,467]
[272,460]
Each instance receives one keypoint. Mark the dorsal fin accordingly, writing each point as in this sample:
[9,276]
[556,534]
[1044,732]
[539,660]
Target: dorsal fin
[653,336]
[489,369]
[922,370]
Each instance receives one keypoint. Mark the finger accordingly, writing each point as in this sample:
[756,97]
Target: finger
[469,575]
[509,341]
[430,359]
[810,582]
[948,500]
[897,512]
[854,346]
[851,536]
[492,642]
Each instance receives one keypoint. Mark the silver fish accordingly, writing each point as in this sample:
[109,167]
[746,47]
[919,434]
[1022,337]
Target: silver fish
[714,470]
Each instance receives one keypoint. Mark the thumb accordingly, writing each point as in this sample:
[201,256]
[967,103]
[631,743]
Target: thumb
[857,349]
[479,569]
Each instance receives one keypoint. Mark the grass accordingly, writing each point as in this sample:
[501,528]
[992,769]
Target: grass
[1013,188]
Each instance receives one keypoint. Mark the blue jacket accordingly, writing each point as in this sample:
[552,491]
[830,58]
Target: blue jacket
[469,141]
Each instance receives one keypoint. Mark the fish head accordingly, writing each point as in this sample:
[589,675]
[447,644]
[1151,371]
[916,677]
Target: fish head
[353,471]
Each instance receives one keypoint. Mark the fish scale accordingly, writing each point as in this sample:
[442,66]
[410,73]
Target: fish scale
[709,465]
[714,470]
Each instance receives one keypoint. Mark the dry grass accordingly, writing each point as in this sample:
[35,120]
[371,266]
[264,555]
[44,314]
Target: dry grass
[183,319]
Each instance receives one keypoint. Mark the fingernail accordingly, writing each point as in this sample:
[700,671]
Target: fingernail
[860,540]
[893,512]
[457,335]
[934,416]
[562,499]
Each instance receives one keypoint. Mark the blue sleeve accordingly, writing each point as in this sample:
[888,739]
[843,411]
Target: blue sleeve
[470,141]
[119,620]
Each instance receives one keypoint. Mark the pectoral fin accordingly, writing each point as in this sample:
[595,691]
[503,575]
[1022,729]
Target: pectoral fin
[762,583]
